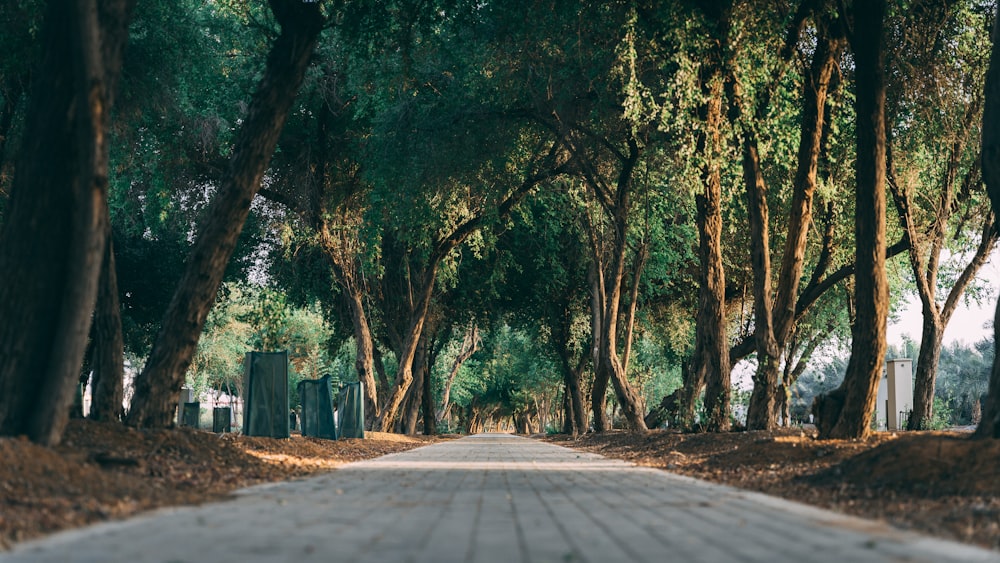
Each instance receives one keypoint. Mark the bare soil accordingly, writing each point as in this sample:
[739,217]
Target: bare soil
[941,483]
[935,482]
[108,471]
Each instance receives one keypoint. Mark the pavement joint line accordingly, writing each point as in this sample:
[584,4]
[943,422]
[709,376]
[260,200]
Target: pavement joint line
[494,498]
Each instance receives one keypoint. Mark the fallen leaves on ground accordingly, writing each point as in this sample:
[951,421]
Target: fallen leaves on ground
[941,483]
[104,471]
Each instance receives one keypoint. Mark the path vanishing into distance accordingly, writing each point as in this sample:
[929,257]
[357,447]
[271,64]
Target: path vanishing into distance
[494,498]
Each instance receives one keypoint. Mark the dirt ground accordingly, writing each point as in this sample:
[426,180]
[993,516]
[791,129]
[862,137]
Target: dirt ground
[107,471]
[941,483]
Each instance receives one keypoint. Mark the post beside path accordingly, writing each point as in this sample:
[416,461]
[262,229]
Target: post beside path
[494,498]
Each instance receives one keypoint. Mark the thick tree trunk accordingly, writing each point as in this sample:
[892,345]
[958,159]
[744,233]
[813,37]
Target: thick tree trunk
[158,386]
[711,322]
[108,355]
[53,237]
[846,412]
[711,363]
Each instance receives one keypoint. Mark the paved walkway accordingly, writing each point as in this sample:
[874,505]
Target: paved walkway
[494,498]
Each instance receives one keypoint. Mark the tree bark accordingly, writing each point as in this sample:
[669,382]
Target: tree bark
[342,253]
[108,356]
[53,237]
[383,378]
[158,386]
[427,405]
[416,392]
[774,316]
[469,346]
[599,387]
[711,363]
[989,426]
[629,399]
[925,255]
[846,411]
[576,421]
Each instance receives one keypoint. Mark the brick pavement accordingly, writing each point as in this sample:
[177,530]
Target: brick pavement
[494,498]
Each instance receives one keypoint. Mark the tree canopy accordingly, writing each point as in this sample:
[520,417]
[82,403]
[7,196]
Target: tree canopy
[565,216]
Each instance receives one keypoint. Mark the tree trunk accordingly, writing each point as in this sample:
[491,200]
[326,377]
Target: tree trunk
[108,356]
[692,384]
[923,385]
[763,400]
[427,407]
[576,412]
[846,412]
[383,378]
[416,391]
[615,200]
[629,399]
[775,318]
[925,255]
[469,346]
[989,425]
[712,345]
[411,341]
[158,386]
[599,388]
[53,237]
[364,363]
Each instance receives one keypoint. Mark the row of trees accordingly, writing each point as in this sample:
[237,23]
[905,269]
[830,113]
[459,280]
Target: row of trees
[711,177]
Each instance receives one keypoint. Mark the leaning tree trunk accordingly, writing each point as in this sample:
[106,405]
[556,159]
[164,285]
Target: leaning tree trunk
[469,346]
[158,386]
[846,411]
[53,236]
[108,356]
[416,391]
